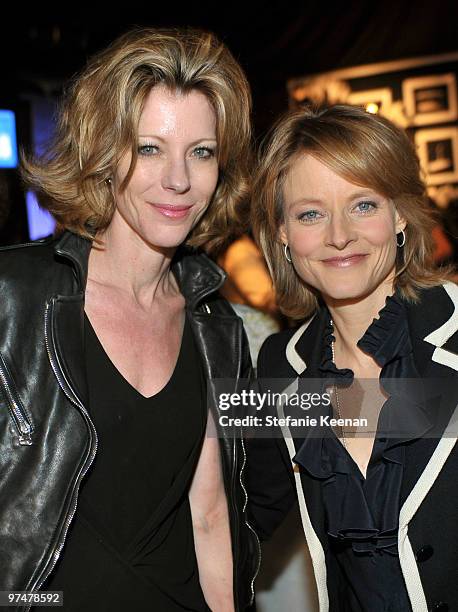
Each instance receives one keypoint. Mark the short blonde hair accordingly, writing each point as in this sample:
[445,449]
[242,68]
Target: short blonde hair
[99,118]
[365,149]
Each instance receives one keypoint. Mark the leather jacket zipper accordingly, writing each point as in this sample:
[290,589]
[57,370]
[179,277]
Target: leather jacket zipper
[21,420]
[236,515]
[73,397]
[206,309]
[248,524]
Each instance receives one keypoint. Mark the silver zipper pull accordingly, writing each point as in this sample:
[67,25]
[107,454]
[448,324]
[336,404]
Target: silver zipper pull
[22,440]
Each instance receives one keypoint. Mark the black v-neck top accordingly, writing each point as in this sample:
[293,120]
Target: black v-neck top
[131,543]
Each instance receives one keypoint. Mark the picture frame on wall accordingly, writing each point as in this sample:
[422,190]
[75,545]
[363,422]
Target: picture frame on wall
[430,99]
[373,100]
[438,152]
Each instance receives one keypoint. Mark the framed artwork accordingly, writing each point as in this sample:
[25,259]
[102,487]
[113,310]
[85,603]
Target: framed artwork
[438,153]
[430,99]
[374,100]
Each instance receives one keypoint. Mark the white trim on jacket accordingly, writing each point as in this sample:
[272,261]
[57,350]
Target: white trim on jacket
[412,503]
[313,541]
[293,357]
[440,336]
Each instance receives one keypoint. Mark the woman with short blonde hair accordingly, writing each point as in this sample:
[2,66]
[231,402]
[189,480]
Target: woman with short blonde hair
[340,212]
[367,150]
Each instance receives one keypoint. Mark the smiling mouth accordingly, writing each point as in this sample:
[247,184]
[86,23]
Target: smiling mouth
[172,211]
[344,262]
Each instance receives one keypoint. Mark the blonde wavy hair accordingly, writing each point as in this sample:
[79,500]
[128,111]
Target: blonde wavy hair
[365,149]
[99,118]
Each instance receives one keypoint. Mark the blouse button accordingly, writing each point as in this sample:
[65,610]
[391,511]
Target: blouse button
[425,553]
[440,607]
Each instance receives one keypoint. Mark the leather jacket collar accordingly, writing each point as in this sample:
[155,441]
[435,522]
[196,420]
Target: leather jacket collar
[197,276]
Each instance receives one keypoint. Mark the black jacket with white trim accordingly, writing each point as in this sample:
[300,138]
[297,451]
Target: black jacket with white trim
[428,529]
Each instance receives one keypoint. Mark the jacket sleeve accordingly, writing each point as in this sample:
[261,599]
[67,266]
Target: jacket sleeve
[269,475]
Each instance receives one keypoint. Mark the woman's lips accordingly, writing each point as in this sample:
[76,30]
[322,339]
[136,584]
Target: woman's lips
[172,211]
[344,262]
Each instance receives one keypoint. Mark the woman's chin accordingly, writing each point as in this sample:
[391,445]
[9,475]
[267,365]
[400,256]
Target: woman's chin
[345,293]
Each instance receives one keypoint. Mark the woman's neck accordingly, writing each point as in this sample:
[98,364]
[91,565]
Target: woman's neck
[127,263]
[351,318]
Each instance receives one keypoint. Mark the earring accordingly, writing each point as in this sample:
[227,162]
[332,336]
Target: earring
[403,239]
[287,253]
[108,181]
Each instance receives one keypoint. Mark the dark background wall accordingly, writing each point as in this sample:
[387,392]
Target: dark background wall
[273,42]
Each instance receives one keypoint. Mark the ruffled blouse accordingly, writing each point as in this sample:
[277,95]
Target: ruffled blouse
[362,514]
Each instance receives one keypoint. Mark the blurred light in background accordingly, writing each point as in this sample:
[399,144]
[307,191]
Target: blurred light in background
[372,108]
[8,144]
[40,221]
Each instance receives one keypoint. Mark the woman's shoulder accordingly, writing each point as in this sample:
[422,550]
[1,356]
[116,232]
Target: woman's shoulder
[273,355]
[436,304]
[447,290]
[434,316]
[27,259]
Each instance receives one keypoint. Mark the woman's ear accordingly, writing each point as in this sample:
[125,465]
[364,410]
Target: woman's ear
[282,234]
[399,222]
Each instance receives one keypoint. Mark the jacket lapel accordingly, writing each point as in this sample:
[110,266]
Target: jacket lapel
[217,332]
[440,337]
[303,354]
[66,316]
[431,328]
[219,339]
[67,337]
[196,275]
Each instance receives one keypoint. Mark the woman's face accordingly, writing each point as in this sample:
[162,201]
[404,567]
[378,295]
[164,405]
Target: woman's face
[342,236]
[176,171]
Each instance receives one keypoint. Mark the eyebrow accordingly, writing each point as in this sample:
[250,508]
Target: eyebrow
[353,196]
[306,201]
[204,138]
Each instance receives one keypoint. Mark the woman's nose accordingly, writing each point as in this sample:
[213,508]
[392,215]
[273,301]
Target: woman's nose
[175,176]
[340,232]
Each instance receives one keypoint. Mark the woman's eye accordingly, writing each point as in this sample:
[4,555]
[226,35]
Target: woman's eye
[309,216]
[148,149]
[366,207]
[203,152]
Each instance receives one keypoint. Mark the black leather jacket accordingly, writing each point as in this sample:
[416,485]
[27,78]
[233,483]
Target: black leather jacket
[47,438]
